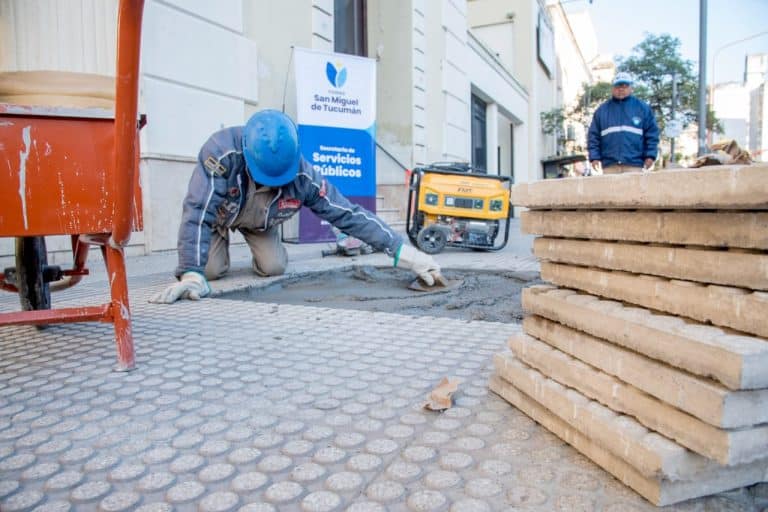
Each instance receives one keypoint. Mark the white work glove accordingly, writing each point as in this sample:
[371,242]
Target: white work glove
[648,164]
[192,286]
[423,265]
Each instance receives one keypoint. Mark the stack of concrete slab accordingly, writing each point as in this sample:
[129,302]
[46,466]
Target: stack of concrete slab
[648,352]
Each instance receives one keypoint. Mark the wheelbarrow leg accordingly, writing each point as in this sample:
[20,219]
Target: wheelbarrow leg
[121,312]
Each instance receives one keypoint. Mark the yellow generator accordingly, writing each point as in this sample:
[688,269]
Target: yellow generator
[451,204]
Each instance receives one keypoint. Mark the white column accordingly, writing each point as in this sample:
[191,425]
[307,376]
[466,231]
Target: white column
[492,137]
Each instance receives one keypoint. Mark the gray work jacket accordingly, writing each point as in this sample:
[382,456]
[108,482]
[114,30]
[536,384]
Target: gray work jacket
[217,191]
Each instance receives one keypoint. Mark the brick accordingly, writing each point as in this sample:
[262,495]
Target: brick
[746,230]
[737,308]
[703,398]
[727,446]
[659,491]
[734,187]
[746,269]
[736,361]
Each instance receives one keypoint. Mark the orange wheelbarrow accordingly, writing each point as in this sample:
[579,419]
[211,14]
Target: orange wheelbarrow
[72,170]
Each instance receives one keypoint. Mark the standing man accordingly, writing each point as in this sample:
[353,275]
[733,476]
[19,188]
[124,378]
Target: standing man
[252,178]
[624,136]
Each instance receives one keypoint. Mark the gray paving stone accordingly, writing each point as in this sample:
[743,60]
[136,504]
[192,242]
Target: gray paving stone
[185,492]
[307,472]
[385,491]
[54,506]
[441,479]
[90,491]
[257,507]
[344,482]
[249,482]
[284,492]
[221,501]
[154,482]
[471,505]
[155,507]
[119,501]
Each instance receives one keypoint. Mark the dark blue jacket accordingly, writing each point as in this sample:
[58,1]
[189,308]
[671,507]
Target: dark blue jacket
[217,192]
[623,132]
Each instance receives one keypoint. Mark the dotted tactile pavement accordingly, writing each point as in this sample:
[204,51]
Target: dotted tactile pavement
[240,406]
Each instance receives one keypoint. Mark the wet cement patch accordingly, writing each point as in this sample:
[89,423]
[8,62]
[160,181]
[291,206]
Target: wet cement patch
[491,296]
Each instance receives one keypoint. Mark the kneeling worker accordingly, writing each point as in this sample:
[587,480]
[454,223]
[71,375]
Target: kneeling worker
[252,178]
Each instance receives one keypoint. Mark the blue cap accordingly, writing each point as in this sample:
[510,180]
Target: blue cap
[271,148]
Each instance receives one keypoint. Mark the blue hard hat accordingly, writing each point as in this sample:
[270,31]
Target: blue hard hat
[271,148]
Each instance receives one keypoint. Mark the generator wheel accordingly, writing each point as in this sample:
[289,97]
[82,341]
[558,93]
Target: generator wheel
[431,240]
[31,259]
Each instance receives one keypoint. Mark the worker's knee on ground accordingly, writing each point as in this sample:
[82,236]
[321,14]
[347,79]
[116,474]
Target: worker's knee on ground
[270,268]
[213,272]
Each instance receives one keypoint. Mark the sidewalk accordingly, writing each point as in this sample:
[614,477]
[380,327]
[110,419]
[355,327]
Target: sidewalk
[258,406]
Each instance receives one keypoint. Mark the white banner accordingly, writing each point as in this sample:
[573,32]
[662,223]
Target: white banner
[334,89]
[336,117]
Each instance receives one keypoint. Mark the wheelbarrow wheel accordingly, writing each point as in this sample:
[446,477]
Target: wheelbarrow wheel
[31,259]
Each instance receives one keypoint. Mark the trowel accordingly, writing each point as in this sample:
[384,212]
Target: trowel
[441,285]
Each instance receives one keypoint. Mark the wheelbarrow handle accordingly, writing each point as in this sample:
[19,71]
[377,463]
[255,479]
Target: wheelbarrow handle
[126,106]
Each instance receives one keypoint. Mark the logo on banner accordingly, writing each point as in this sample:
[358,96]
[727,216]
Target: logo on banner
[337,74]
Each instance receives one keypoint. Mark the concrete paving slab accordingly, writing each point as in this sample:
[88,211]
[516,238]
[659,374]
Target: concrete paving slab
[735,267]
[736,361]
[705,399]
[724,306]
[650,453]
[727,446]
[657,490]
[734,187]
[748,230]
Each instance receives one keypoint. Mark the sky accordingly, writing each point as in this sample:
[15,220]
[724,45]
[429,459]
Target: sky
[621,24]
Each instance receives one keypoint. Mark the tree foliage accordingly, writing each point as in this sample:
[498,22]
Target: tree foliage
[552,121]
[589,99]
[653,63]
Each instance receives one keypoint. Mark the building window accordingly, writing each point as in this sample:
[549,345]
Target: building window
[512,152]
[349,20]
[545,44]
[479,143]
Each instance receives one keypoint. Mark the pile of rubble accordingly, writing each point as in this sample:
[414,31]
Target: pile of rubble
[648,351]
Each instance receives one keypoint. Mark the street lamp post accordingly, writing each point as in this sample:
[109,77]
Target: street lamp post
[674,107]
[702,76]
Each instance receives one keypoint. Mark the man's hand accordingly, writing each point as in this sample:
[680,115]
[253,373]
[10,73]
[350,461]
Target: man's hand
[648,164]
[423,265]
[597,165]
[193,286]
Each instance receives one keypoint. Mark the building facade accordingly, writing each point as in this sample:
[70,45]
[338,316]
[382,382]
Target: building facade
[457,80]
[575,47]
[742,107]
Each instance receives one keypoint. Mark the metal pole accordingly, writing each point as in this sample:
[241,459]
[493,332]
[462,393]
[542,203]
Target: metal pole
[674,107]
[702,77]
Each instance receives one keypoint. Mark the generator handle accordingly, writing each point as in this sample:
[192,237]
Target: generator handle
[413,194]
[506,231]
[440,169]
